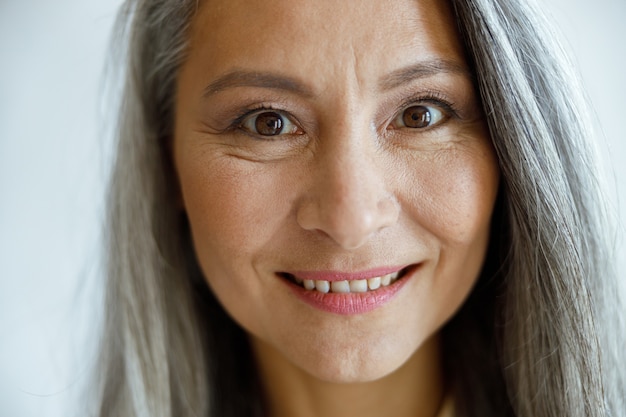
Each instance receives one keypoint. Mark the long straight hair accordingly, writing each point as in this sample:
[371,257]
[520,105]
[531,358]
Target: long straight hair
[537,337]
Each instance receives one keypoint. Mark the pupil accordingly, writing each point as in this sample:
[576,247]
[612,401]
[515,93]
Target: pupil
[416,117]
[269,124]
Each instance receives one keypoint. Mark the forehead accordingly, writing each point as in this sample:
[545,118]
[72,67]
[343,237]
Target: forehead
[323,37]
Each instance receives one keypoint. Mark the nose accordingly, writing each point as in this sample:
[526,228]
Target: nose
[348,200]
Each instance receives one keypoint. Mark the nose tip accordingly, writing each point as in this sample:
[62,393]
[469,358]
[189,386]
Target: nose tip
[348,192]
[350,218]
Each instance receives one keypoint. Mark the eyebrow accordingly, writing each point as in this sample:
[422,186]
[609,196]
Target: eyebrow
[245,78]
[423,69]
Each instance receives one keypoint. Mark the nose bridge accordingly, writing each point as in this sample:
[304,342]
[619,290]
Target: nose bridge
[350,174]
[349,200]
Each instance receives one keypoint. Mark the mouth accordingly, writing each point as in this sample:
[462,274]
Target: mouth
[347,286]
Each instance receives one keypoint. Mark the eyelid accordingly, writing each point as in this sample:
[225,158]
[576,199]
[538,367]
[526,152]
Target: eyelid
[430,100]
[250,113]
[434,98]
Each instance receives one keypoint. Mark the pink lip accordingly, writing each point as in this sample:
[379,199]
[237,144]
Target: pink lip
[352,303]
[346,276]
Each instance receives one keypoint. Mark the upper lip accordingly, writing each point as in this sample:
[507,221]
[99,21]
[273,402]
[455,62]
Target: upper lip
[346,276]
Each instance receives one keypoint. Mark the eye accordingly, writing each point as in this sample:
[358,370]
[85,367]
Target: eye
[269,123]
[419,117]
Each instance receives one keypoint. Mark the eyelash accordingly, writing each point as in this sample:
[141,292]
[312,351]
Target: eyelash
[431,97]
[245,113]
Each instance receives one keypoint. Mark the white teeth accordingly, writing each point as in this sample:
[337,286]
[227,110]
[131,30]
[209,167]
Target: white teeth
[373,283]
[345,287]
[358,285]
[322,286]
[385,280]
[340,286]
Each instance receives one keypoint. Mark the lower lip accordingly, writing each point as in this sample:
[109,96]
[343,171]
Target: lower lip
[350,303]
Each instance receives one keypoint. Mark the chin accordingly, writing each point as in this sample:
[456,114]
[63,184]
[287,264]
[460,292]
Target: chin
[353,375]
[363,363]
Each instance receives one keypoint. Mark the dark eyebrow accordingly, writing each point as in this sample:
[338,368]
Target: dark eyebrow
[423,70]
[243,78]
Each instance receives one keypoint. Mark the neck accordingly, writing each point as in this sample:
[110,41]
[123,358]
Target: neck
[413,390]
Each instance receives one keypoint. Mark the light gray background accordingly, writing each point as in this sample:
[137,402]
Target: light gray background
[53,163]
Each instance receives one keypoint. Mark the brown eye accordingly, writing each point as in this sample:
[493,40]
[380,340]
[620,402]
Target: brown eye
[419,117]
[269,123]
[416,117]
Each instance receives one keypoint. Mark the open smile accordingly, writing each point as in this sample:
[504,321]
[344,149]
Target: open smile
[348,293]
[346,286]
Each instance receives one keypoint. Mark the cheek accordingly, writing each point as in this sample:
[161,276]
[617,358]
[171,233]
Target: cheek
[461,218]
[452,196]
[233,209]
[450,201]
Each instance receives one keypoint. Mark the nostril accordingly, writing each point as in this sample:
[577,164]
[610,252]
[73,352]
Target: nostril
[347,215]
[350,230]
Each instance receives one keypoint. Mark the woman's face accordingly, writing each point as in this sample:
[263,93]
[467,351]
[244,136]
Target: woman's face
[341,146]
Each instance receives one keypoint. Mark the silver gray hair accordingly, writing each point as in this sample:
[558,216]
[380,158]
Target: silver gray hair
[542,323]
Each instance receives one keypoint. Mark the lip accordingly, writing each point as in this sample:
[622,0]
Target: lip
[350,303]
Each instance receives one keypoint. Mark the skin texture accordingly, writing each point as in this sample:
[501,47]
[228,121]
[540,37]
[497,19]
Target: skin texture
[347,188]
